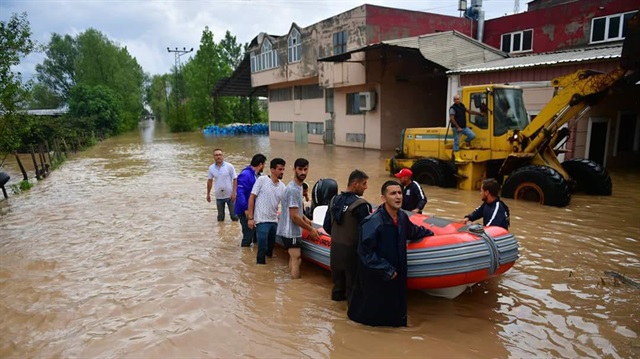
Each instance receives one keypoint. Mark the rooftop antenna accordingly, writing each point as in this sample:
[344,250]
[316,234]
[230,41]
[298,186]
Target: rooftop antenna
[516,6]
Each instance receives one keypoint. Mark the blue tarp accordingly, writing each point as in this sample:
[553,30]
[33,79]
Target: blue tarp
[233,130]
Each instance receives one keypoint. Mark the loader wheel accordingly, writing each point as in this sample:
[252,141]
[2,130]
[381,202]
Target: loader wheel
[538,184]
[588,176]
[431,171]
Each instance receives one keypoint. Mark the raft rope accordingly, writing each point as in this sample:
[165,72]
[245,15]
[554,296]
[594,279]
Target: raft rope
[494,253]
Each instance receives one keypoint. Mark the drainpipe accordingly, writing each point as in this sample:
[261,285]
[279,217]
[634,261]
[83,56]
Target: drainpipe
[478,14]
[480,24]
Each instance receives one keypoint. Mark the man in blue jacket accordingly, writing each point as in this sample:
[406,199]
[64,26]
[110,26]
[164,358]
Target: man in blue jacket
[379,295]
[246,179]
[492,210]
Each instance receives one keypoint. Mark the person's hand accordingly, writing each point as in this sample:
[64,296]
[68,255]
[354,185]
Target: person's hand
[466,220]
[209,198]
[459,129]
[395,274]
[251,223]
[416,210]
[313,234]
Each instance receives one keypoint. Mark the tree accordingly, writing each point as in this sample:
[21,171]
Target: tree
[58,71]
[99,103]
[43,98]
[15,42]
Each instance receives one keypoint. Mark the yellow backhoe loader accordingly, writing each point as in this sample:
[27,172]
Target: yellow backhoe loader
[518,152]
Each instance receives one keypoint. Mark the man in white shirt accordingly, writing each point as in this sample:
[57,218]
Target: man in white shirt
[263,208]
[225,186]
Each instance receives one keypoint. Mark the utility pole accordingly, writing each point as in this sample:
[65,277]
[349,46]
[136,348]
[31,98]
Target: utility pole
[178,53]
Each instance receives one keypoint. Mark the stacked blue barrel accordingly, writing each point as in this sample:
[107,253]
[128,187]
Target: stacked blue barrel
[237,129]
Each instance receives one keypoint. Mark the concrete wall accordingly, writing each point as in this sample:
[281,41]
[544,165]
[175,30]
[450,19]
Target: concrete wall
[367,123]
[558,27]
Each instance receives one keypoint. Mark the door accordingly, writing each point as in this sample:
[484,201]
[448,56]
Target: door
[328,132]
[301,131]
[598,140]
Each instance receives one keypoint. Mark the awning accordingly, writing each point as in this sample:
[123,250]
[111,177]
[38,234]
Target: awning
[239,83]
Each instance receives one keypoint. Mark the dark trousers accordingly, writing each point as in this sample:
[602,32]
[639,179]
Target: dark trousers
[220,205]
[266,233]
[344,264]
[247,233]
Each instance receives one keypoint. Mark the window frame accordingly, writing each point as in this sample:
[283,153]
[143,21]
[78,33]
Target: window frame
[339,42]
[353,103]
[267,59]
[329,100]
[621,27]
[512,39]
[294,42]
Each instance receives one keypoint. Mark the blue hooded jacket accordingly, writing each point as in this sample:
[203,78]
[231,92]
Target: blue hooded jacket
[246,180]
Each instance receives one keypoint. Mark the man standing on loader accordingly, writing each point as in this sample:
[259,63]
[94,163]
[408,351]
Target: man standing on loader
[458,119]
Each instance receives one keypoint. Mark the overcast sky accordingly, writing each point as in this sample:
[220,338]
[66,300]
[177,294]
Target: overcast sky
[147,28]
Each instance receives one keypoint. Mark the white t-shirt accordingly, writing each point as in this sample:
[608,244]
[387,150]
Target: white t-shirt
[224,175]
[268,196]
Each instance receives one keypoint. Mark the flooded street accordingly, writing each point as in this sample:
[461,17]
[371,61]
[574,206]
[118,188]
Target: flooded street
[117,254]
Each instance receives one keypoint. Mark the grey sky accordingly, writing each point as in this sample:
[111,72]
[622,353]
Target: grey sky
[147,28]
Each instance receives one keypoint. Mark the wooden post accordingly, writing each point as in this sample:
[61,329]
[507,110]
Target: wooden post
[24,172]
[35,163]
[64,144]
[56,148]
[43,167]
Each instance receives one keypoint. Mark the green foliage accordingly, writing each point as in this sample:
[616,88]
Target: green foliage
[57,71]
[20,187]
[100,106]
[15,42]
[43,98]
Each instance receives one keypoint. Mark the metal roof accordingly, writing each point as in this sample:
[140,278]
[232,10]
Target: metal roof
[546,59]
[450,49]
[48,112]
[239,83]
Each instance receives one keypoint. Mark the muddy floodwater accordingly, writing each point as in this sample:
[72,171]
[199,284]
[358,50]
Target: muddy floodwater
[117,254]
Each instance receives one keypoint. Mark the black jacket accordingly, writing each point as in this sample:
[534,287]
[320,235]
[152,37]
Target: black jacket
[413,197]
[378,300]
[492,214]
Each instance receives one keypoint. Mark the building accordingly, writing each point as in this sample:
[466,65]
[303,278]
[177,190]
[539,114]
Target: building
[319,77]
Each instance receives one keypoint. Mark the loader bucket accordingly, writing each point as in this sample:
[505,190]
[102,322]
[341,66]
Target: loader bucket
[631,46]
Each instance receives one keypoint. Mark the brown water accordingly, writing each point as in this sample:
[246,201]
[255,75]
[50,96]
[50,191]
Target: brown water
[118,254]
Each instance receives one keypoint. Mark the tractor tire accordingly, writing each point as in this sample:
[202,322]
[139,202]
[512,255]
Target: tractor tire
[540,184]
[449,170]
[432,172]
[588,176]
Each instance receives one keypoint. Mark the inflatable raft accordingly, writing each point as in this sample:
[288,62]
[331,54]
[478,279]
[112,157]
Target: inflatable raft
[446,264]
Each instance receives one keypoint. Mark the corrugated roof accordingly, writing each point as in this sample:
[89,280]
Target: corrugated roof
[546,59]
[450,49]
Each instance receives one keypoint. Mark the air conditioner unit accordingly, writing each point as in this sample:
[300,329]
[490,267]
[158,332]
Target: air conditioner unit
[367,100]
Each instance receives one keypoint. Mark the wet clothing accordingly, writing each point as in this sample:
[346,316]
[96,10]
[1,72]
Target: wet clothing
[344,215]
[224,175]
[495,213]
[292,198]
[378,300]
[413,197]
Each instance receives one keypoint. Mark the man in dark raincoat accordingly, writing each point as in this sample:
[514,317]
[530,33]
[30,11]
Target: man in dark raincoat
[379,296]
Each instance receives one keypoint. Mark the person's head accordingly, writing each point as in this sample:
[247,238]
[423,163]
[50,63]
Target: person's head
[404,176]
[277,168]
[218,156]
[489,190]
[257,162]
[456,99]
[300,169]
[358,182]
[391,194]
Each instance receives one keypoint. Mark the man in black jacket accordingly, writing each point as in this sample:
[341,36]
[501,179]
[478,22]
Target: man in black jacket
[492,210]
[344,215]
[413,198]
[380,292]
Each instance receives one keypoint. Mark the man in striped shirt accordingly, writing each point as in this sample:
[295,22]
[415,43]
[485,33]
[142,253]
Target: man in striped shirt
[492,210]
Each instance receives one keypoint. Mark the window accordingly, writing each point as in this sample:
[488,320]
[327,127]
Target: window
[315,128]
[282,94]
[355,137]
[295,47]
[478,103]
[353,104]
[610,28]
[509,112]
[520,41]
[328,101]
[267,59]
[339,42]
[281,126]
[307,92]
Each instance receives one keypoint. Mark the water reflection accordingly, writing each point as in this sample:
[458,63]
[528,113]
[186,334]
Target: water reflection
[119,254]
